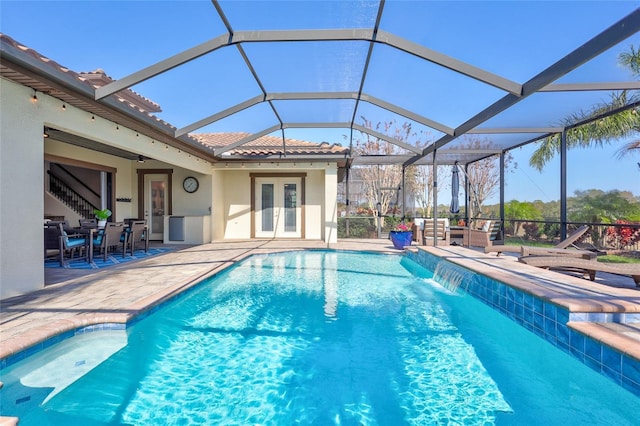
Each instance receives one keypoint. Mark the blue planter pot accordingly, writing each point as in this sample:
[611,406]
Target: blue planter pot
[401,239]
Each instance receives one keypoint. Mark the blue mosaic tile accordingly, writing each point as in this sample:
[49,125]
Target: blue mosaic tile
[612,374]
[538,306]
[527,316]
[577,342]
[630,385]
[562,316]
[550,311]
[631,369]
[612,359]
[562,334]
[594,364]
[538,321]
[593,349]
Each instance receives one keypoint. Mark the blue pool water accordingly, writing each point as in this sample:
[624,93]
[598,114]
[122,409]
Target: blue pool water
[314,338]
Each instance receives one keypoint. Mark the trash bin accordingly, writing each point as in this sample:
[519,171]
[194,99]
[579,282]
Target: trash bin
[176,228]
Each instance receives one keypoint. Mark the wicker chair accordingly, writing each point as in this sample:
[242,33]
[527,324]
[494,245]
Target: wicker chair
[491,234]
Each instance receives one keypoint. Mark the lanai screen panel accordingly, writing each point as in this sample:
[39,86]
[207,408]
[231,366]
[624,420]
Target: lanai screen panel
[421,86]
[308,66]
[297,15]
[252,120]
[205,82]
[316,111]
[510,39]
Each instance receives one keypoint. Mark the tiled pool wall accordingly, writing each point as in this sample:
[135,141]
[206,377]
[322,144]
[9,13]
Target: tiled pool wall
[543,318]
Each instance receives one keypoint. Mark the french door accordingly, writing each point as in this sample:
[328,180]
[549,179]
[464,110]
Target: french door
[278,207]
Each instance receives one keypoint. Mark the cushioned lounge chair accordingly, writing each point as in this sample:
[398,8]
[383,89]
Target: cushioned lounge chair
[530,250]
[490,235]
[441,232]
[588,267]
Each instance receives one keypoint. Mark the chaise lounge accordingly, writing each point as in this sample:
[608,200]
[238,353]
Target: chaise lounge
[559,249]
[585,266]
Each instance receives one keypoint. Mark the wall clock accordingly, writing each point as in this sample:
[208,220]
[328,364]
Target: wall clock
[190,184]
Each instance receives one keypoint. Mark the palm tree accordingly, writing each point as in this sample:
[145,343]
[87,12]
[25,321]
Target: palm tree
[602,131]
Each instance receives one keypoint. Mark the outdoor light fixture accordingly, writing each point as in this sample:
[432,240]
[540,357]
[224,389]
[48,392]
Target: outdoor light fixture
[34,98]
[64,107]
[45,134]
[140,159]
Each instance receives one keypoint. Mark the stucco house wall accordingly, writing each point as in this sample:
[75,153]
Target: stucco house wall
[233,201]
[224,193]
[22,153]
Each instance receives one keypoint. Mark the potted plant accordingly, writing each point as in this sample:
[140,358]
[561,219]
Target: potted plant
[401,236]
[102,216]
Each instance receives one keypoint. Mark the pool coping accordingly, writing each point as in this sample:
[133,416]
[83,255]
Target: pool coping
[571,293]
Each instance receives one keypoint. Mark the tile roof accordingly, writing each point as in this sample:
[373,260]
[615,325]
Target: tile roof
[267,145]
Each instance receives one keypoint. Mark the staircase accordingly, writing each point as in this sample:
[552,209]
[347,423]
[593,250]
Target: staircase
[63,192]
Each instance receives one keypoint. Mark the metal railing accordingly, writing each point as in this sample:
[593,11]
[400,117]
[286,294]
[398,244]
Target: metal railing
[601,236]
[63,192]
[624,237]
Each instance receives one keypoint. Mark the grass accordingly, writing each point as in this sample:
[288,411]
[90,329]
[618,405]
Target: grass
[615,258]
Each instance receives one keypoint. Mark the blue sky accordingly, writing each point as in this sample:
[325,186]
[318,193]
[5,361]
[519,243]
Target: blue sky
[513,39]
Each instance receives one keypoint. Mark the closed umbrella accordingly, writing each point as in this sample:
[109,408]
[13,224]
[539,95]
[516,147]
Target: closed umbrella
[455,188]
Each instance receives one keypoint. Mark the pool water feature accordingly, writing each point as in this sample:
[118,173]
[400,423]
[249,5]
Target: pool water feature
[331,338]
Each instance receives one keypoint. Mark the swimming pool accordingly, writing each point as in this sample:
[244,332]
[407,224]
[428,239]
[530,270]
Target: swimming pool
[319,337]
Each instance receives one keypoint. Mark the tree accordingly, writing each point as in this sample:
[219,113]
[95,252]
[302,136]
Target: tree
[381,183]
[602,207]
[484,175]
[516,210]
[604,130]
[424,188]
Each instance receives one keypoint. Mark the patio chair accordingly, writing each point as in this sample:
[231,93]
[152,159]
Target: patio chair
[69,244]
[441,232]
[585,266]
[109,237]
[88,223]
[137,232]
[51,239]
[530,250]
[489,236]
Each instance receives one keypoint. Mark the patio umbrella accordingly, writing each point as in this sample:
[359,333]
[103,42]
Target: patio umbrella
[455,188]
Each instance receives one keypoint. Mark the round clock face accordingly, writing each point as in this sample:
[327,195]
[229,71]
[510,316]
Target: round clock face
[190,184]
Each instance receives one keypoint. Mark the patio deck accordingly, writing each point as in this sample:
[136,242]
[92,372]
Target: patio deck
[76,298]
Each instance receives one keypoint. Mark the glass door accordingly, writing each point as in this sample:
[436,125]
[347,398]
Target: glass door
[278,210]
[155,206]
